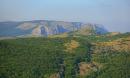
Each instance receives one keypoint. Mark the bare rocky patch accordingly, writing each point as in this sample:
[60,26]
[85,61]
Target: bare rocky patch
[56,75]
[87,68]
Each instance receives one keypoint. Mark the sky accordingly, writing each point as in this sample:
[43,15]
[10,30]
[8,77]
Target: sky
[113,14]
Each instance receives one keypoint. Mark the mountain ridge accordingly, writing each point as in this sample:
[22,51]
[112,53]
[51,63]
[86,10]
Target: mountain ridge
[46,28]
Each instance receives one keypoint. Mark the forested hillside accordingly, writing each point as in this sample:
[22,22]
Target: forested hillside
[94,56]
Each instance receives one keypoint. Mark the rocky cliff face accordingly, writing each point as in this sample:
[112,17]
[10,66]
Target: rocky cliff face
[45,28]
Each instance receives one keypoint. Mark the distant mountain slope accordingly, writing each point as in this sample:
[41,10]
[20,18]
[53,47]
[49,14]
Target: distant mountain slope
[45,28]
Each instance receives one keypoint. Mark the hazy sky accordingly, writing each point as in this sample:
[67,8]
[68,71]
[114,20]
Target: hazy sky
[113,14]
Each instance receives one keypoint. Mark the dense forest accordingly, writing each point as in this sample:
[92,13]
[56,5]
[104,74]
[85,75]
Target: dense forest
[95,56]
